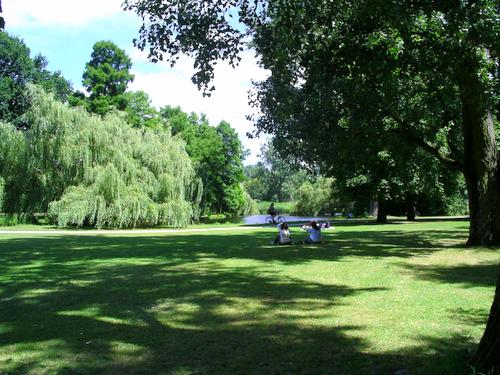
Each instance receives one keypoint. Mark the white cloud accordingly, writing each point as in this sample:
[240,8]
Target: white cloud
[173,86]
[21,13]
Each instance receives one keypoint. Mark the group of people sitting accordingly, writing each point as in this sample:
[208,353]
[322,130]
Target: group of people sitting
[313,230]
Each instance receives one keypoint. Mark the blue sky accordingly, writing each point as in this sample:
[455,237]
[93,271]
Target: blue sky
[64,31]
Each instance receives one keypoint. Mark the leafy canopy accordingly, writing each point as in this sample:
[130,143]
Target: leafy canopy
[17,70]
[217,154]
[106,78]
[88,170]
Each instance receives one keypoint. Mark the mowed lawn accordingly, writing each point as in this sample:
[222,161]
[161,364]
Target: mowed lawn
[394,299]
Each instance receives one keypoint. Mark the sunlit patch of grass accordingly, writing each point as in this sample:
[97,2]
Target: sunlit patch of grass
[95,313]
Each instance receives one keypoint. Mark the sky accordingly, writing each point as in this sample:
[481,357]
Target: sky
[64,31]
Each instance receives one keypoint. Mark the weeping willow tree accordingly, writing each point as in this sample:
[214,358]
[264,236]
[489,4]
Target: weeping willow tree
[249,206]
[86,170]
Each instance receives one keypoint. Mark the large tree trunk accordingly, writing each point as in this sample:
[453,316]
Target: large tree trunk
[487,358]
[411,212]
[480,158]
[481,175]
[382,212]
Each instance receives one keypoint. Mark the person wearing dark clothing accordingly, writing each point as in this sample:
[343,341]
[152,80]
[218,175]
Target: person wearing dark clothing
[272,211]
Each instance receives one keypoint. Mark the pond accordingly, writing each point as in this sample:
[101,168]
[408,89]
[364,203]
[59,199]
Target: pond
[261,219]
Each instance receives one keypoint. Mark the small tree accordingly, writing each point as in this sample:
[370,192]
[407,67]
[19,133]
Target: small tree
[106,78]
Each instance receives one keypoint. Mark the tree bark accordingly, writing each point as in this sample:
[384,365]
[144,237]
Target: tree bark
[487,358]
[382,212]
[410,208]
[481,175]
[480,159]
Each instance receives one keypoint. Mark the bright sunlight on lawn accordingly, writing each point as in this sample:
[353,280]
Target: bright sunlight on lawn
[393,299]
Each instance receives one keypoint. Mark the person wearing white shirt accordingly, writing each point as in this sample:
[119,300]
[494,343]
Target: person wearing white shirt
[314,233]
[284,236]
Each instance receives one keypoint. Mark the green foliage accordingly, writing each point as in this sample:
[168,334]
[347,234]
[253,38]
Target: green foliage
[217,155]
[315,198]
[52,82]
[2,193]
[17,69]
[92,171]
[197,28]
[140,112]
[254,183]
[9,220]
[2,20]
[106,78]
[249,206]
[282,207]
[276,178]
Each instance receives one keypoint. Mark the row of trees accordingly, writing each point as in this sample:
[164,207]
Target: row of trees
[385,88]
[17,70]
[88,170]
[274,178]
[107,157]
[403,189]
[216,152]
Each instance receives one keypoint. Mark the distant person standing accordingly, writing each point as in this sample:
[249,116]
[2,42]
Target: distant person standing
[273,212]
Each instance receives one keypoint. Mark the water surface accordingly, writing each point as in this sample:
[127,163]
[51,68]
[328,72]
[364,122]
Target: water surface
[261,219]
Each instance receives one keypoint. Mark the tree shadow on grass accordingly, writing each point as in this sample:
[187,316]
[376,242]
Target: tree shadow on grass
[190,247]
[391,243]
[470,316]
[468,275]
[172,317]
[172,305]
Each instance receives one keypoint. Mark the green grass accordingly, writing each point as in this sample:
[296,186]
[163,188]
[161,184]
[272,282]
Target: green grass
[399,298]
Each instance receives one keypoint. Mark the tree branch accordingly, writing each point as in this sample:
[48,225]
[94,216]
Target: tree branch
[406,133]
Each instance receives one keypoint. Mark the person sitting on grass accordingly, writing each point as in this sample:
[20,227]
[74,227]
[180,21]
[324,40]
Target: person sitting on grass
[314,232]
[284,236]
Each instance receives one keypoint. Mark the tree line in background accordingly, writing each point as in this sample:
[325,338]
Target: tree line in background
[217,153]
[108,157]
[370,93]
[435,192]
[386,97]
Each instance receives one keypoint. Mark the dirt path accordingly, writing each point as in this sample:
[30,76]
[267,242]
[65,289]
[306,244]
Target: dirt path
[97,232]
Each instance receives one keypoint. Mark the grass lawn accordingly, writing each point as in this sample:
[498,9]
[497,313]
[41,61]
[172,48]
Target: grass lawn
[395,299]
